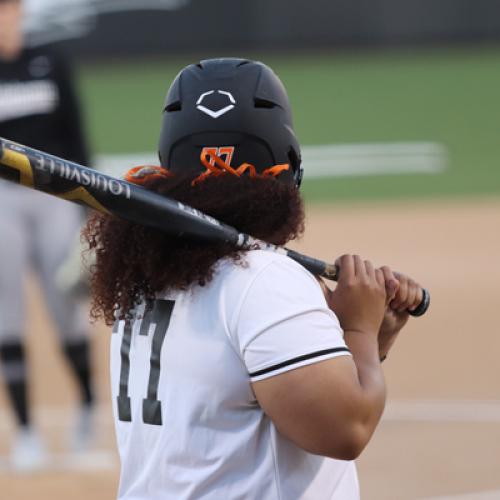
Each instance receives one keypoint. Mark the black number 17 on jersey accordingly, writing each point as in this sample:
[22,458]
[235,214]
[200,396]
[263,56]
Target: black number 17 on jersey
[157,313]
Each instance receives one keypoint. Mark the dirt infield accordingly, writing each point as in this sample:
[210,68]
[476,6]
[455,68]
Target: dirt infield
[441,432]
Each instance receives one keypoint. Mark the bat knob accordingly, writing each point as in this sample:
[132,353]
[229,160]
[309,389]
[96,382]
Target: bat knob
[424,304]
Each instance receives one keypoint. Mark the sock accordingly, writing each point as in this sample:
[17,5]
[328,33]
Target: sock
[78,356]
[14,369]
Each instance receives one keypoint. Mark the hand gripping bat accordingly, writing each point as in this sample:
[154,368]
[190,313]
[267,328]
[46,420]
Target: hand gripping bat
[70,181]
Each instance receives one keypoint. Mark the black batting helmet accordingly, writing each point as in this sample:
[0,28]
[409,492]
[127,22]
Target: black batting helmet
[234,108]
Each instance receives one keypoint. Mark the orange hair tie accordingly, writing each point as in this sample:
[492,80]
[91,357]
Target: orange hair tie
[140,175]
[217,166]
[247,166]
[276,170]
[217,162]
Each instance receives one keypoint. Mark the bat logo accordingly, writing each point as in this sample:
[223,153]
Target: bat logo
[216,113]
[20,162]
[27,162]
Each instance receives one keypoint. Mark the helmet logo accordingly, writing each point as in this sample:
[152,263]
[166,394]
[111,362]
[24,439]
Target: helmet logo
[217,112]
[222,151]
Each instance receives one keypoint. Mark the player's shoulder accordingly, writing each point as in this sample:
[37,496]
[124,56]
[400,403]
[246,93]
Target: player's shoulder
[269,286]
[264,268]
[263,258]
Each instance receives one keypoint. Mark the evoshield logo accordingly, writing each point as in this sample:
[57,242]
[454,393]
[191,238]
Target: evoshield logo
[215,113]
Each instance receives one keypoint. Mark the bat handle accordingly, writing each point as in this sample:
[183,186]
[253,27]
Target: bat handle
[331,272]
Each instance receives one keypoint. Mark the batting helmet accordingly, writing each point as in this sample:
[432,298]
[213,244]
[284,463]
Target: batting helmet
[232,107]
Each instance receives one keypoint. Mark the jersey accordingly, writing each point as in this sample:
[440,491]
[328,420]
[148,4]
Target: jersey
[188,424]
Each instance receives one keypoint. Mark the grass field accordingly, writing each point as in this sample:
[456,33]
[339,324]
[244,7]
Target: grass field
[446,96]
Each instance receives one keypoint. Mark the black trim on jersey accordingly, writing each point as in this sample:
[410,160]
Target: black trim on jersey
[298,359]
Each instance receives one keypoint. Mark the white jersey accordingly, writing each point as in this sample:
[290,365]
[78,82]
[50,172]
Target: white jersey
[188,424]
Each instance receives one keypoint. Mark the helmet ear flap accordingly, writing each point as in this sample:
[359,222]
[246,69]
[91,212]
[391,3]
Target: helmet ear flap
[297,170]
[299,177]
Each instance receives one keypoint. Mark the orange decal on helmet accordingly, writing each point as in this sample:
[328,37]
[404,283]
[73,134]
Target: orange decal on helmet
[222,151]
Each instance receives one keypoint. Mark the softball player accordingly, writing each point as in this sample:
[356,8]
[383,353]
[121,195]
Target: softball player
[236,374]
[37,107]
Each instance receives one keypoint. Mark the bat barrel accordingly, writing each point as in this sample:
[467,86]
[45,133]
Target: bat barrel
[73,182]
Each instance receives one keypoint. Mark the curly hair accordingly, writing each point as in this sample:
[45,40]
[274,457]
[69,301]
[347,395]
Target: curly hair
[133,263]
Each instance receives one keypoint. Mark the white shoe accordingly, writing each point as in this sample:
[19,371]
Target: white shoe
[28,452]
[84,432]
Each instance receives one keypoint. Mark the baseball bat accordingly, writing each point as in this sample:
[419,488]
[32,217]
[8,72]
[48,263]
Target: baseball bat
[73,182]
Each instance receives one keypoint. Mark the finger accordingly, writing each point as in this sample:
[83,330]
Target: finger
[419,296]
[391,282]
[379,276]
[359,266]
[401,294]
[411,297]
[424,304]
[370,269]
[345,265]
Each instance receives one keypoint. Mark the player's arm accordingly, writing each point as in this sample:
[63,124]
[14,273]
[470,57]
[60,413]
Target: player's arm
[332,407]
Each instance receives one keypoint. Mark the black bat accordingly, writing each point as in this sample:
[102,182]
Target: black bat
[73,182]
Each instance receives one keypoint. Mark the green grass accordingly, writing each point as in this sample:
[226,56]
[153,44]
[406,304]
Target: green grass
[447,96]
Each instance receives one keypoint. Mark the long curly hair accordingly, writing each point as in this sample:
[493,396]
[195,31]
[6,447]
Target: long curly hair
[133,263]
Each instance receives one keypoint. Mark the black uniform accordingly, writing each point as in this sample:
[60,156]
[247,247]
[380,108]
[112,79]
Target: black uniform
[38,106]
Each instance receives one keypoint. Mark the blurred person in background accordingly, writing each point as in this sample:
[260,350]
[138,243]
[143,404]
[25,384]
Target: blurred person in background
[38,107]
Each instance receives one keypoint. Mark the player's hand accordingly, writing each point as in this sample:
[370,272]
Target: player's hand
[403,295]
[359,299]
